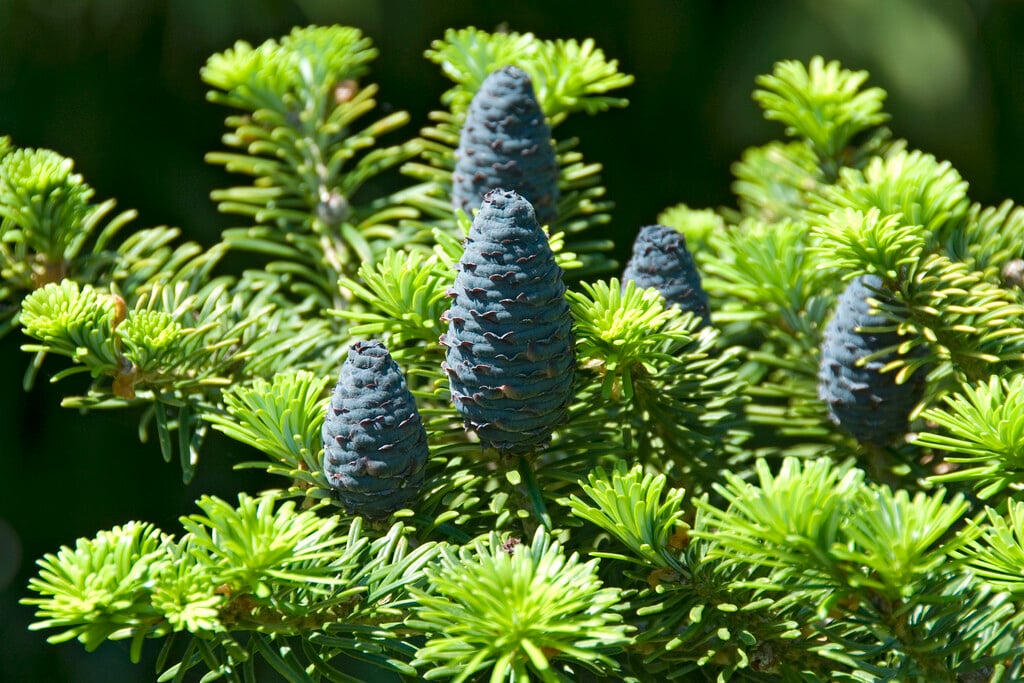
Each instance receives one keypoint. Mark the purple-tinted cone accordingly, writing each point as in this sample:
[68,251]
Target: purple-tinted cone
[506,142]
[864,401]
[375,447]
[510,351]
[661,260]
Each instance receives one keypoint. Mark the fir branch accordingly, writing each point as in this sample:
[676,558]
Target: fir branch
[259,567]
[986,238]
[900,541]
[926,192]
[996,551]
[52,230]
[281,418]
[629,506]
[254,78]
[790,521]
[765,276]
[865,551]
[622,330]
[298,140]
[776,181]
[406,295]
[42,199]
[851,240]
[175,350]
[983,428]
[516,609]
[569,76]
[659,386]
[966,320]
[691,612]
[822,103]
[74,322]
[99,590]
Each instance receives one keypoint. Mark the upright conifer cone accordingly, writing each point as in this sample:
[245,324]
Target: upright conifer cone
[661,260]
[862,400]
[375,447]
[506,142]
[510,351]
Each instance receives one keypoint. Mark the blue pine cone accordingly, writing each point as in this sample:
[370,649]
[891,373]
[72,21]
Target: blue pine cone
[510,352]
[661,260]
[375,447]
[506,142]
[862,400]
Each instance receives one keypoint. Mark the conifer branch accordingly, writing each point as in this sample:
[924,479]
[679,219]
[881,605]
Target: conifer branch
[853,278]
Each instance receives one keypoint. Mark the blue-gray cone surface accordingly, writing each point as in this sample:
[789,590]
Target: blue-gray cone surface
[375,447]
[506,142]
[510,351]
[862,400]
[661,260]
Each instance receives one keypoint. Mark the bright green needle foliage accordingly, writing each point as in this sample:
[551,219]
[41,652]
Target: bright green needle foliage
[281,418]
[898,540]
[857,538]
[629,506]
[809,556]
[262,567]
[697,225]
[182,592]
[968,322]
[73,321]
[568,75]
[923,190]
[520,610]
[988,239]
[776,181]
[152,340]
[983,429]
[766,275]
[787,520]
[303,100]
[42,197]
[996,554]
[50,229]
[821,102]
[99,590]
[849,239]
[882,564]
[255,548]
[256,78]
[652,378]
[405,294]
[622,331]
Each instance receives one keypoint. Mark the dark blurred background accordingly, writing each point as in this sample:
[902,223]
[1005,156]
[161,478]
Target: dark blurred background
[114,84]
